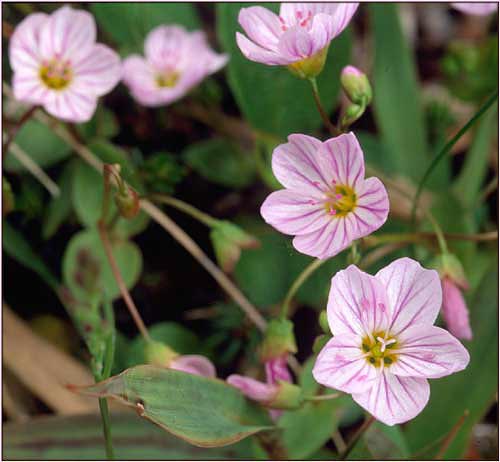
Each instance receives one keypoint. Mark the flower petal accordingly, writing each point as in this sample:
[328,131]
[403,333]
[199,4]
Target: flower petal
[346,160]
[68,34]
[99,71]
[292,213]
[24,43]
[455,312]
[394,400]
[28,87]
[253,389]
[296,44]
[476,8]
[165,47]
[258,54]
[357,303]
[261,25]
[428,351]
[194,364]
[277,370]
[341,365]
[70,105]
[414,293]
[372,206]
[298,165]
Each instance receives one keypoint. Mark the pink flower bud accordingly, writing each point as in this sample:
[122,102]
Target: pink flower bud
[194,364]
[455,312]
[277,370]
[356,86]
[253,389]
[351,70]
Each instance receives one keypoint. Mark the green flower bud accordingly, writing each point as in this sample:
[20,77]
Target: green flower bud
[288,396]
[127,201]
[352,113]
[323,322]
[159,354]
[356,86]
[278,340]
[310,67]
[448,265]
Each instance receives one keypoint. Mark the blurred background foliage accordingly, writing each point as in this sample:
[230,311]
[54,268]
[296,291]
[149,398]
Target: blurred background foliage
[430,67]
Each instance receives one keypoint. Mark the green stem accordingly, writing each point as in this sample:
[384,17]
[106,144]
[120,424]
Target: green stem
[186,208]
[323,397]
[446,149]
[324,116]
[439,233]
[308,270]
[423,236]
[106,425]
[361,431]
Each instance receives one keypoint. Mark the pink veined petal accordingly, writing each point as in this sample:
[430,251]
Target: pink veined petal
[277,370]
[342,366]
[414,293]
[138,76]
[342,16]
[292,13]
[296,44]
[194,364]
[253,389]
[372,206]
[455,312]
[24,43]
[67,34]
[99,71]
[394,400]
[298,166]
[258,54]
[346,160]
[357,304]
[476,8]
[261,25]
[28,87]
[165,45]
[292,213]
[321,32]
[325,242]
[428,351]
[215,62]
[70,105]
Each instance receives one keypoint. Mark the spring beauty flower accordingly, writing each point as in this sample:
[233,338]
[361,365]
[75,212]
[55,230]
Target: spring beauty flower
[58,64]
[175,61]
[327,202]
[298,37]
[476,8]
[385,345]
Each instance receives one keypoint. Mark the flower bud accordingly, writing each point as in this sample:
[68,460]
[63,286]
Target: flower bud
[194,364]
[159,354]
[323,322]
[311,67]
[127,201]
[352,113]
[356,86]
[228,240]
[455,312]
[8,202]
[288,396]
[279,340]
[449,266]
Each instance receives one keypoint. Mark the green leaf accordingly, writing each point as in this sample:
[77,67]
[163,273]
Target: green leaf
[396,98]
[59,207]
[38,141]
[86,267]
[129,23]
[205,412]
[174,335]
[473,389]
[19,248]
[467,186]
[80,438]
[87,196]
[102,125]
[271,98]
[221,162]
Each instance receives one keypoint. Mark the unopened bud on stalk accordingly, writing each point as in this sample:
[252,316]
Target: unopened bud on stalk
[356,86]
[279,340]
[159,354]
[127,201]
[449,266]
[323,322]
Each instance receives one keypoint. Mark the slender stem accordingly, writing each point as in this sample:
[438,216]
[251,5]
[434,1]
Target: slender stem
[302,277]
[451,436]
[490,187]
[439,234]
[377,254]
[103,233]
[106,425]
[446,149]
[186,208]
[361,431]
[324,116]
[10,136]
[406,238]
[323,397]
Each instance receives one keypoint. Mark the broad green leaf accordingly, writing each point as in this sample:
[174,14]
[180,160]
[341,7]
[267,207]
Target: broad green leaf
[59,207]
[19,248]
[396,100]
[80,438]
[205,412]
[174,335]
[84,259]
[129,23]
[38,141]
[467,186]
[221,162]
[473,389]
[271,98]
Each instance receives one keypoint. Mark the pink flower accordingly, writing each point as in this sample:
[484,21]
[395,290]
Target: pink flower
[301,30]
[176,61]
[58,64]
[476,8]
[277,369]
[258,391]
[385,346]
[193,364]
[455,312]
[327,202]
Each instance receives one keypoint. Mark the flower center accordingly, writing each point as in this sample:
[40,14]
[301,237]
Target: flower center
[167,79]
[56,74]
[340,200]
[301,19]
[379,349]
